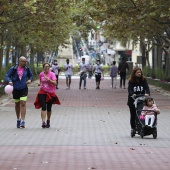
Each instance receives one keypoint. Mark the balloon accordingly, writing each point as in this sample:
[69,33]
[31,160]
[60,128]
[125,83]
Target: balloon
[8,89]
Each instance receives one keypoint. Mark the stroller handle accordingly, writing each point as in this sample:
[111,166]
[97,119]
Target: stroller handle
[135,96]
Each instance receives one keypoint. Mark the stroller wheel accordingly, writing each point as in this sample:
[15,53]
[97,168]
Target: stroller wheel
[142,134]
[155,134]
[132,133]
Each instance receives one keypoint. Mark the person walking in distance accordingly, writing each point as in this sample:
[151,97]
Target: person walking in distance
[19,77]
[83,68]
[98,71]
[113,74]
[122,71]
[90,70]
[56,69]
[46,95]
[68,73]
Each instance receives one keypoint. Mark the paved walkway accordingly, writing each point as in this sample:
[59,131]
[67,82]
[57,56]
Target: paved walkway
[89,130]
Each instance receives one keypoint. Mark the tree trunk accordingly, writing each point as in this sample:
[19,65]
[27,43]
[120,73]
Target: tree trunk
[143,56]
[159,58]
[1,52]
[7,55]
[15,54]
[147,58]
[167,64]
[32,56]
[7,50]
[23,51]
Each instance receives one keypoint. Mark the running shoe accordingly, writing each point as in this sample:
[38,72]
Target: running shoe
[48,124]
[43,125]
[22,124]
[18,123]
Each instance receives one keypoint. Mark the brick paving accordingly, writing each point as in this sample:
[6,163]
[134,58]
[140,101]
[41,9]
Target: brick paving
[89,130]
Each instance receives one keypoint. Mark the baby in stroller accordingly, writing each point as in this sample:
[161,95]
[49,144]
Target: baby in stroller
[149,111]
[146,119]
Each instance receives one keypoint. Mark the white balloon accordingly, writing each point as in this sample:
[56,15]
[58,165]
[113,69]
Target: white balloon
[8,89]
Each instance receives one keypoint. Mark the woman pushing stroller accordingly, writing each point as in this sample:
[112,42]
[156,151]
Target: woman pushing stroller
[137,86]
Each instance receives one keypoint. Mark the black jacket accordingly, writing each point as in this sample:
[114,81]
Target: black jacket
[123,66]
[137,88]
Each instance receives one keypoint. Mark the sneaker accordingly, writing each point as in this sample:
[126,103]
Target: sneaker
[22,124]
[48,124]
[18,123]
[124,87]
[84,87]
[43,125]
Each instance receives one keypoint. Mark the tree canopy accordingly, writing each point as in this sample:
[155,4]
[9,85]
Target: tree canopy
[47,24]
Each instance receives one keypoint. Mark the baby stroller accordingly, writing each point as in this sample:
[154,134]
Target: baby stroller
[141,129]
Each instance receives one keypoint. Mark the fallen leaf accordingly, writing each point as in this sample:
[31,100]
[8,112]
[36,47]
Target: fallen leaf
[44,162]
[92,168]
[30,153]
[132,148]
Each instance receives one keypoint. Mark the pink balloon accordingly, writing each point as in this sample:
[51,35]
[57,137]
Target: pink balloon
[8,89]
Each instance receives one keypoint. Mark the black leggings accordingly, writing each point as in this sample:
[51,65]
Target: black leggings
[44,106]
[132,117]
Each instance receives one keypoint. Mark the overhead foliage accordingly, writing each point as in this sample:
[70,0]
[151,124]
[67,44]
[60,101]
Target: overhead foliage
[47,24]
[44,24]
[126,20]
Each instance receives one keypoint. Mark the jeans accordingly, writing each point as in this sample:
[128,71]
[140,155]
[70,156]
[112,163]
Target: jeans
[113,81]
[90,74]
[83,77]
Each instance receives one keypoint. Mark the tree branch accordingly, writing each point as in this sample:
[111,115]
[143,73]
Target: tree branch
[2,23]
[135,5]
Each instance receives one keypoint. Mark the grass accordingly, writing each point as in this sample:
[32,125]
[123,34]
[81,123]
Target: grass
[158,83]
